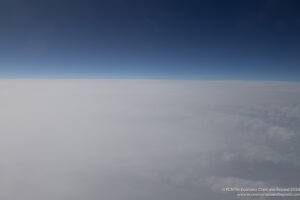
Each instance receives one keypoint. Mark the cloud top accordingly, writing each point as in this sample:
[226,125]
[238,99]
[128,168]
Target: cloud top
[145,139]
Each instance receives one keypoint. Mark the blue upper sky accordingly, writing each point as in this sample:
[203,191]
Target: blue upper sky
[164,39]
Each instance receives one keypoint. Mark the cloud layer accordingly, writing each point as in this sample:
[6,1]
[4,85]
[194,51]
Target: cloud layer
[145,139]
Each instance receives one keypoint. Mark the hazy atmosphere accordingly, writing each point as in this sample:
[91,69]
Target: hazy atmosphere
[149,99]
[143,139]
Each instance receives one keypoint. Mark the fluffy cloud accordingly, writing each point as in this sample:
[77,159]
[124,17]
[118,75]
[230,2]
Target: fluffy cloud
[144,139]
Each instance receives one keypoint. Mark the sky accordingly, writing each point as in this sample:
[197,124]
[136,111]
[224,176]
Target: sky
[74,139]
[165,39]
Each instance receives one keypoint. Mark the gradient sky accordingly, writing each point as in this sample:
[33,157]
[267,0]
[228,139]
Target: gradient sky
[165,39]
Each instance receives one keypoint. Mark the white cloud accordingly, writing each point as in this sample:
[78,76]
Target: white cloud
[144,139]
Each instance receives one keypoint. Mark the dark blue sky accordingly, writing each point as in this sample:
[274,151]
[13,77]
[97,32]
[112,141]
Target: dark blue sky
[188,39]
